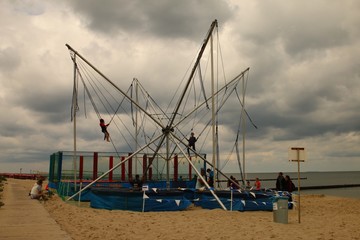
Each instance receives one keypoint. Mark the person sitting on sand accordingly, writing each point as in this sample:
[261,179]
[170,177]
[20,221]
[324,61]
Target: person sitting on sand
[37,192]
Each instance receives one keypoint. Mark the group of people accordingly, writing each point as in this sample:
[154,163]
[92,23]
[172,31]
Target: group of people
[257,184]
[233,183]
[284,183]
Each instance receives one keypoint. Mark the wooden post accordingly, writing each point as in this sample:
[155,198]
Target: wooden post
[111,164]
[298,188]
[176,168]
[299,157]
[144,167]
[95,165]
[123,170]
[190,169]
[81,168]
[130,168]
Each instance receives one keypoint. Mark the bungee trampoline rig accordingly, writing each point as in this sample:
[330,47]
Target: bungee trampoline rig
[153,140]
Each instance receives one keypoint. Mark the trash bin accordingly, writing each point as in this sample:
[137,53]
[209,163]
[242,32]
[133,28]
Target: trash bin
[280,209]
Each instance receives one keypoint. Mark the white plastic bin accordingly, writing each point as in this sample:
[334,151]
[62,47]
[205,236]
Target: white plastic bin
[280,209]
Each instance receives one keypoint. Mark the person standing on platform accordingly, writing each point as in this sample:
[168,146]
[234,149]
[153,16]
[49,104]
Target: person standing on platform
[191,143]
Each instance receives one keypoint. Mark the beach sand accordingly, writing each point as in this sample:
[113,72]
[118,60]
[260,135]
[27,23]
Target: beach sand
[322,217]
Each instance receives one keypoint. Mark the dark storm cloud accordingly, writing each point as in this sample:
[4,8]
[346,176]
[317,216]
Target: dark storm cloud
[308,115]
[163,18]
[13,128]
[304,80]
[305,31]
[26,157]
[49,105]
[303,85]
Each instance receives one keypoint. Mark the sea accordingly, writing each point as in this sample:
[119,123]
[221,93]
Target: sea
[268,180]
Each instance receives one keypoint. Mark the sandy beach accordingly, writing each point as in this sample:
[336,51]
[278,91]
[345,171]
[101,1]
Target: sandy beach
[322,217]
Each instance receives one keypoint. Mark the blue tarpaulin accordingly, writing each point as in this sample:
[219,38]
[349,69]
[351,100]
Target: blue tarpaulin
[114,199]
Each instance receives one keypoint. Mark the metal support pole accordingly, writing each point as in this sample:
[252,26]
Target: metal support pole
[298,161]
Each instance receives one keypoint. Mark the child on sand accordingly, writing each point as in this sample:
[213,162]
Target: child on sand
[37,192]
[104,129]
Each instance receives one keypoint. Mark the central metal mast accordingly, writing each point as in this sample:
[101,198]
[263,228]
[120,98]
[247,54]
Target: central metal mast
[214,163]
[213,25]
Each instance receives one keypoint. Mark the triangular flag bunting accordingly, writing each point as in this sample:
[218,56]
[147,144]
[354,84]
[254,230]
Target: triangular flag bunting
[243,202]
[154,189]
[253,194]
[145,196]
[177,202]
[159,200]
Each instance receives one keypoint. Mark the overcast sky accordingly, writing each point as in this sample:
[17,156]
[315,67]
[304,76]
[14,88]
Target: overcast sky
[303,88]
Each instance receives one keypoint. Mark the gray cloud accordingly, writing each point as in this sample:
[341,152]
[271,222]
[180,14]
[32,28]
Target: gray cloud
[168,19]
[9,59]
[303,85]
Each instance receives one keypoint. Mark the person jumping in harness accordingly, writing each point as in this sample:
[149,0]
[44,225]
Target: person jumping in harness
[192,140]
[104,129]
